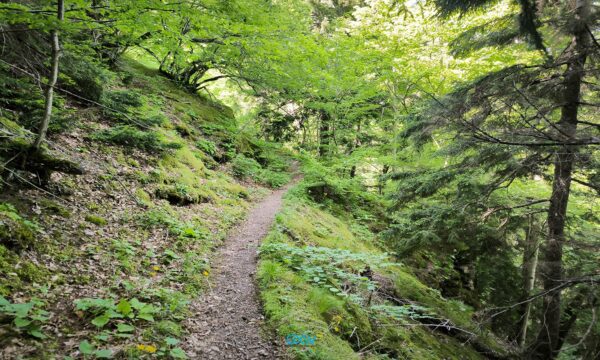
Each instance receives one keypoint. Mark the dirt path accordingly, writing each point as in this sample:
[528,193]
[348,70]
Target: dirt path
[226,322]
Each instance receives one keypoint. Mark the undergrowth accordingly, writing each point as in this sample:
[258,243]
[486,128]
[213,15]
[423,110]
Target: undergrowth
[327,278]
[109,270]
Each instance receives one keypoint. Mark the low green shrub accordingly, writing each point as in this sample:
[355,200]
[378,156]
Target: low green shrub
[103,310]
[165,217]
[273,179]
[207,146]
[244,167]
[24,317]
[120,101]
[130,136]
[83,76]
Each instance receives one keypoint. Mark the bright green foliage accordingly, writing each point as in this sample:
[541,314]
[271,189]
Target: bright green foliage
[248,168]
[104,310]
[325,289]
[421,127]
[25,317]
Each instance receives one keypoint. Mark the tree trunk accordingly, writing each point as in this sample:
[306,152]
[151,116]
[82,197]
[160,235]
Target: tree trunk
[546,345]
[530,260]
[381,182]
[56,52]
[324,134]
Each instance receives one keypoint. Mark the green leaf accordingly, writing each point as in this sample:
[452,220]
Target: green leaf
[171,254]
[136,304]
[86,348]
[124,307]
[21,310]
[101,320]
[171,341]
[21,322]
[149,309]
[87,303]
[146,317]
[125,328]
[104,354]
[114,315]
[178,353]
[37,334]
[3,301]
[102,337]
[38,317]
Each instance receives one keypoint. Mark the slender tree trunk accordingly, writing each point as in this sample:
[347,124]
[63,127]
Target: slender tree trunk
[324,134]
[56,52]
[546,345]
[381,182]
[530,260]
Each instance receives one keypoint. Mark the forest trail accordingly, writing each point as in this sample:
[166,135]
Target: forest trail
[226,323]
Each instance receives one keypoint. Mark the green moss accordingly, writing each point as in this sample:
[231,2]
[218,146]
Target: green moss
[18,273]
[95,219]
[225,187]
[295,303]
[315,227]
[409,287]
[54,207]
[129,136]
[143,197]
[15,231]
[180,194]
[183,167]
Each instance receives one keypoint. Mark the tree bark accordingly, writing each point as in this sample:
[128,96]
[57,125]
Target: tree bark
[324,134]
[530,260]
[56,52]
[546,345]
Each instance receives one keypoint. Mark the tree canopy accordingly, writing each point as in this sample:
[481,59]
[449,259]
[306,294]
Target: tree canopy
[464,134]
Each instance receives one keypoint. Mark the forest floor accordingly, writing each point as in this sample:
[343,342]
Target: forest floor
[227,321]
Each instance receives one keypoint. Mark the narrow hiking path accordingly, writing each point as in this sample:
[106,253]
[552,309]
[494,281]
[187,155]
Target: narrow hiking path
[226,322]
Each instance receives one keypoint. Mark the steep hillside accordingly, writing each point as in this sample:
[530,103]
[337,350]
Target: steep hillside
[331,292]
[105,263]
